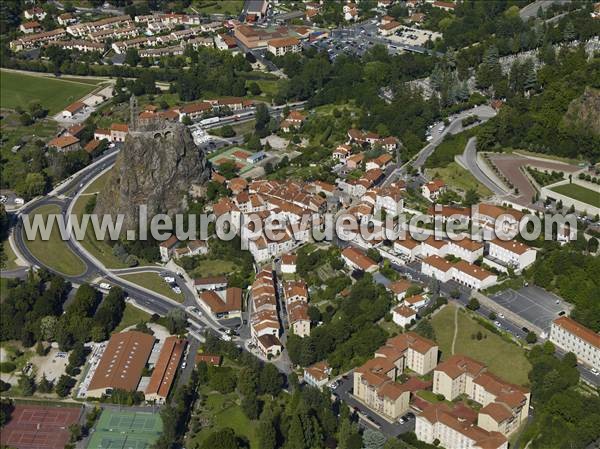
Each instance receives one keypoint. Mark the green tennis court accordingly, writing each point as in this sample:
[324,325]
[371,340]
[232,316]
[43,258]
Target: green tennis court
[126,430]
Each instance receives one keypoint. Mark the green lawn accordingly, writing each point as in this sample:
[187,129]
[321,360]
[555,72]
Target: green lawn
[458,178]
[213,267]
[17,89]
[54,252]
[100,249]
[579,193]
[224,411]
[154,282]
[227,7]
[504,359]
[132,315]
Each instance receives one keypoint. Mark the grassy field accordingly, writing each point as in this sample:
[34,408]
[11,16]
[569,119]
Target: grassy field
[132,315]
[213,267]
[100,249]
[579,193]
[17,89]
[458,178]
[227,7]
[225,412]
[492,350]
[154,282]
[54,252]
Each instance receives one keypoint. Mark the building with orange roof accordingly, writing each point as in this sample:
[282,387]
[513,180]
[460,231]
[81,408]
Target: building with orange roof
[65,143]
[118,132]
[284,45]
[209,359]
[288,263]
[431,246]
[465,249]
[455,430]
[433,189]
[571,336]
[317,375]
[223,304]
[437,267]
[92,146]
[505,254]
[294,120]
[412,351]
[73,108]
[505,406]
[403,315]
[298,319]
[121,364]
[165,370]
[399,288]
[356,260]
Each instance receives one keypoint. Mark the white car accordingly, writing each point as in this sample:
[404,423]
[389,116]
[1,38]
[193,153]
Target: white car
[497,323]
[169,279]
[595,372]
[501,315]
[105,285]
[19,201]
[177,290]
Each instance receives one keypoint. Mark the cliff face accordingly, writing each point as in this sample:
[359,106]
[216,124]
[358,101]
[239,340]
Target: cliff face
[155,168]
[585,111]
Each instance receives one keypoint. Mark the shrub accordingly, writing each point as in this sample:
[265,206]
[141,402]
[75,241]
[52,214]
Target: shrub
[7,367]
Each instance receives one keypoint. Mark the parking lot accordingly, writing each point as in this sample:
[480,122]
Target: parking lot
[414,36]
[533,304]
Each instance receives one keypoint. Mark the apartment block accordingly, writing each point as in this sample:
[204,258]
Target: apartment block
[571,336]
[505,254]
[505,406]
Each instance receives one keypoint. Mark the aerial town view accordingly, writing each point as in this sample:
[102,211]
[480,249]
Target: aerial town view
[277,224]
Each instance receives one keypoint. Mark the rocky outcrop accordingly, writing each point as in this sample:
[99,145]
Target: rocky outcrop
[156,168]
[584,111]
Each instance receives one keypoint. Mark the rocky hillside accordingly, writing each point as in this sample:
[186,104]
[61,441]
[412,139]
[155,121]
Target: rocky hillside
[156,169]
[585,111]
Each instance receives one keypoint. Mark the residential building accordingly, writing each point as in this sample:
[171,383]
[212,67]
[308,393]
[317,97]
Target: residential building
[284,45]
[294,120]
[79,45]
[408,247]
[35,13]
[504,406]
[473,276]
[65,143]
[446,6]
[403,315]
[317,375]
[213,283]
[66,19]
[412,351]
[437,267]
[433,189]
[167,247]
[399,288]
[223,304]
[118,132]
[165,370]
[73,109]
[573,337]
[37,39]
[30,27]
[209,359]
[416,302]
[380,162]
[465,249]
[269,345]
[509,254]
[342,152]
[122,363]
[455,429]
[356,260]
[350,11]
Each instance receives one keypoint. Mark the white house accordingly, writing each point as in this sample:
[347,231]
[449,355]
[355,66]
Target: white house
[433,247]
[288,263]
[403,315]
[317,375]
[437,267]
[214,283]
[433,189]
[399,288]
[408,247]
[466,249]
[510,253]
[473,276]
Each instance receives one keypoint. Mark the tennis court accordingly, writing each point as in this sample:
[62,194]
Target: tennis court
[39,427]
[125,430]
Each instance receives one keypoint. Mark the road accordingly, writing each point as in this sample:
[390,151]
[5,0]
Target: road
[455,126]
[532,9]
[469,161]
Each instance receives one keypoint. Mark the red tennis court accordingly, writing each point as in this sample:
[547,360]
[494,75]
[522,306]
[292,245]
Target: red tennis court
[39,427]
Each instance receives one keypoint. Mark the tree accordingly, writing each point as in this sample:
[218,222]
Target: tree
[254,88]
[45,386]
[64,385]
[471,198]
[227,131]
[473,303]
[531,337]
[132,57]
[373,439]
[271,380]
[26,385]
[176,321]
[592,245]
[221,439]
